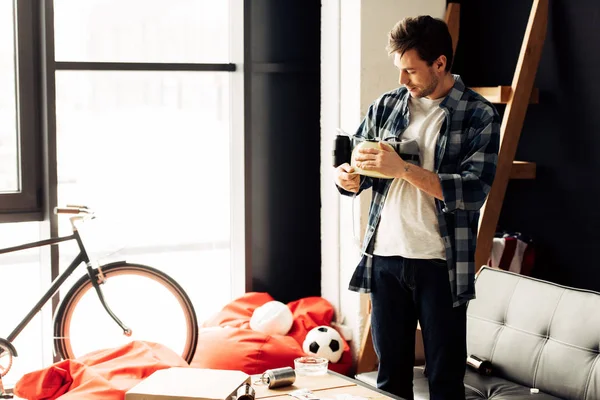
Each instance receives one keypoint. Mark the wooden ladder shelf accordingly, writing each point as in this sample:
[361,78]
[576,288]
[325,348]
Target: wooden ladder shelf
[517,97]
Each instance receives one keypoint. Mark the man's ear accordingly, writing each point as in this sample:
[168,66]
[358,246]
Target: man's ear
[440,63]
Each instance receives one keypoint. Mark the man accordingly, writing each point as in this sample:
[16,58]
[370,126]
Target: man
[419,247]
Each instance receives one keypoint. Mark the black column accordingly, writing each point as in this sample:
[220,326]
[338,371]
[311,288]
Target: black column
[282,130]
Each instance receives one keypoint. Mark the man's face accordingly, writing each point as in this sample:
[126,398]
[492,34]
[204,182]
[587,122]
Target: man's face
[418,77]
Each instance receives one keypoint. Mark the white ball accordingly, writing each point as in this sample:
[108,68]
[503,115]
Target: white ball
[324,341]
[272,318]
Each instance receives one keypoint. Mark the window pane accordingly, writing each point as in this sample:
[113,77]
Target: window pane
[24,280]
[186,31]
[9,172]
[149,151]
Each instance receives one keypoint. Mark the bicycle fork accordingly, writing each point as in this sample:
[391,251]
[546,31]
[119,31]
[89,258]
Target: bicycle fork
[98,279]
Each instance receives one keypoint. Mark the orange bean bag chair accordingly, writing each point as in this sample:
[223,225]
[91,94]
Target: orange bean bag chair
[226,340]
[101,375]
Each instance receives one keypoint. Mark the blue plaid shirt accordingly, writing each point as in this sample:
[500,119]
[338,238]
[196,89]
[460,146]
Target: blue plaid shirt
[465,161]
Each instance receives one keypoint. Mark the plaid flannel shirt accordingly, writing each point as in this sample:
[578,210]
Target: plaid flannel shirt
[465,160]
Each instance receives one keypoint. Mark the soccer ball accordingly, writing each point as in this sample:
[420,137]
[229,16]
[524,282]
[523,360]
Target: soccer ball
[324,341]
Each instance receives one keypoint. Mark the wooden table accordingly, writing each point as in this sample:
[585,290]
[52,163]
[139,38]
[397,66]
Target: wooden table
[328,386]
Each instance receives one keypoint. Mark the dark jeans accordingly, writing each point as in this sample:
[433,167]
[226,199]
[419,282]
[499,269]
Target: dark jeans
[404,291]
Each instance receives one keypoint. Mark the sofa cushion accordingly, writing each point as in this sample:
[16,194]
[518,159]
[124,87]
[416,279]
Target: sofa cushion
[476,387]
[536,333]
[491,387]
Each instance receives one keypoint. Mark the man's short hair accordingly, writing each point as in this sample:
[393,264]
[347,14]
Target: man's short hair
[428,36]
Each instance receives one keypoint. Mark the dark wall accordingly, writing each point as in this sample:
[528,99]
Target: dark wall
[282,97]
[559,210]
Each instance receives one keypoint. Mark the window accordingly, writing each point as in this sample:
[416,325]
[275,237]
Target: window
[9,173]
[184,31]
[23,276]
[149,151]
[144,134]
[19,134]
[146,131]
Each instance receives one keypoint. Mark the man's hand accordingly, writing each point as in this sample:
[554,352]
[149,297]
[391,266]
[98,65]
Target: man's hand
[346,180]
[384,160]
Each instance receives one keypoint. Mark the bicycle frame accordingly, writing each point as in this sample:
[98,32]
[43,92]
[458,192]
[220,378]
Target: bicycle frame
[81,257]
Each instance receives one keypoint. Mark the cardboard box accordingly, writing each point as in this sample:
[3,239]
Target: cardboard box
[188,384]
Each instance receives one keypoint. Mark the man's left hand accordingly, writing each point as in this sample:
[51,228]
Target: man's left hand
[383,160]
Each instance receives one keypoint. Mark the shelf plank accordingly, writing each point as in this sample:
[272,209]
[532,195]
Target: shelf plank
[501,94]
[523,170]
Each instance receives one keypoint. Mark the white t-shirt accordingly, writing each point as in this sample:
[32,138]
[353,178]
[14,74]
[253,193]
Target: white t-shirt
[409,226]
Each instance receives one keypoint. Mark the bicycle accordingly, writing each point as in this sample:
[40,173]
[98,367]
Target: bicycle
[177,330]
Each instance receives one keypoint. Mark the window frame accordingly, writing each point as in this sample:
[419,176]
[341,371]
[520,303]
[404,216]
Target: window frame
[26,204]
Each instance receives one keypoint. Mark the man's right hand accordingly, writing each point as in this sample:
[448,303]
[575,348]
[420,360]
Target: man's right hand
[346,180]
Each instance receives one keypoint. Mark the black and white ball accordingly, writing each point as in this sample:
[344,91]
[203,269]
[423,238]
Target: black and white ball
[324,341]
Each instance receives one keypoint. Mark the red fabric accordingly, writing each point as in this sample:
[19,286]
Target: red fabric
[309,313]
[510,245]
[238,312]
[227,342]
[101,375]
[528,261]
[513,252]
[245,350]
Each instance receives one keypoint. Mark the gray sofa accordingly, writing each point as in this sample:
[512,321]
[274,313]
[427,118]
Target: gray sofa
[536,334]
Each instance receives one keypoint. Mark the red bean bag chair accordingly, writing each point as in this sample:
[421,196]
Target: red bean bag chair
[101,375]
[227,342]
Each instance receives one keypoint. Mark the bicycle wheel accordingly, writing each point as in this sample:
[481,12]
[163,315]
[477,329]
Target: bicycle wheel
[146,300]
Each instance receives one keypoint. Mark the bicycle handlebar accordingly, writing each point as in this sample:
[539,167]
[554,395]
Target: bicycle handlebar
[72,209]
